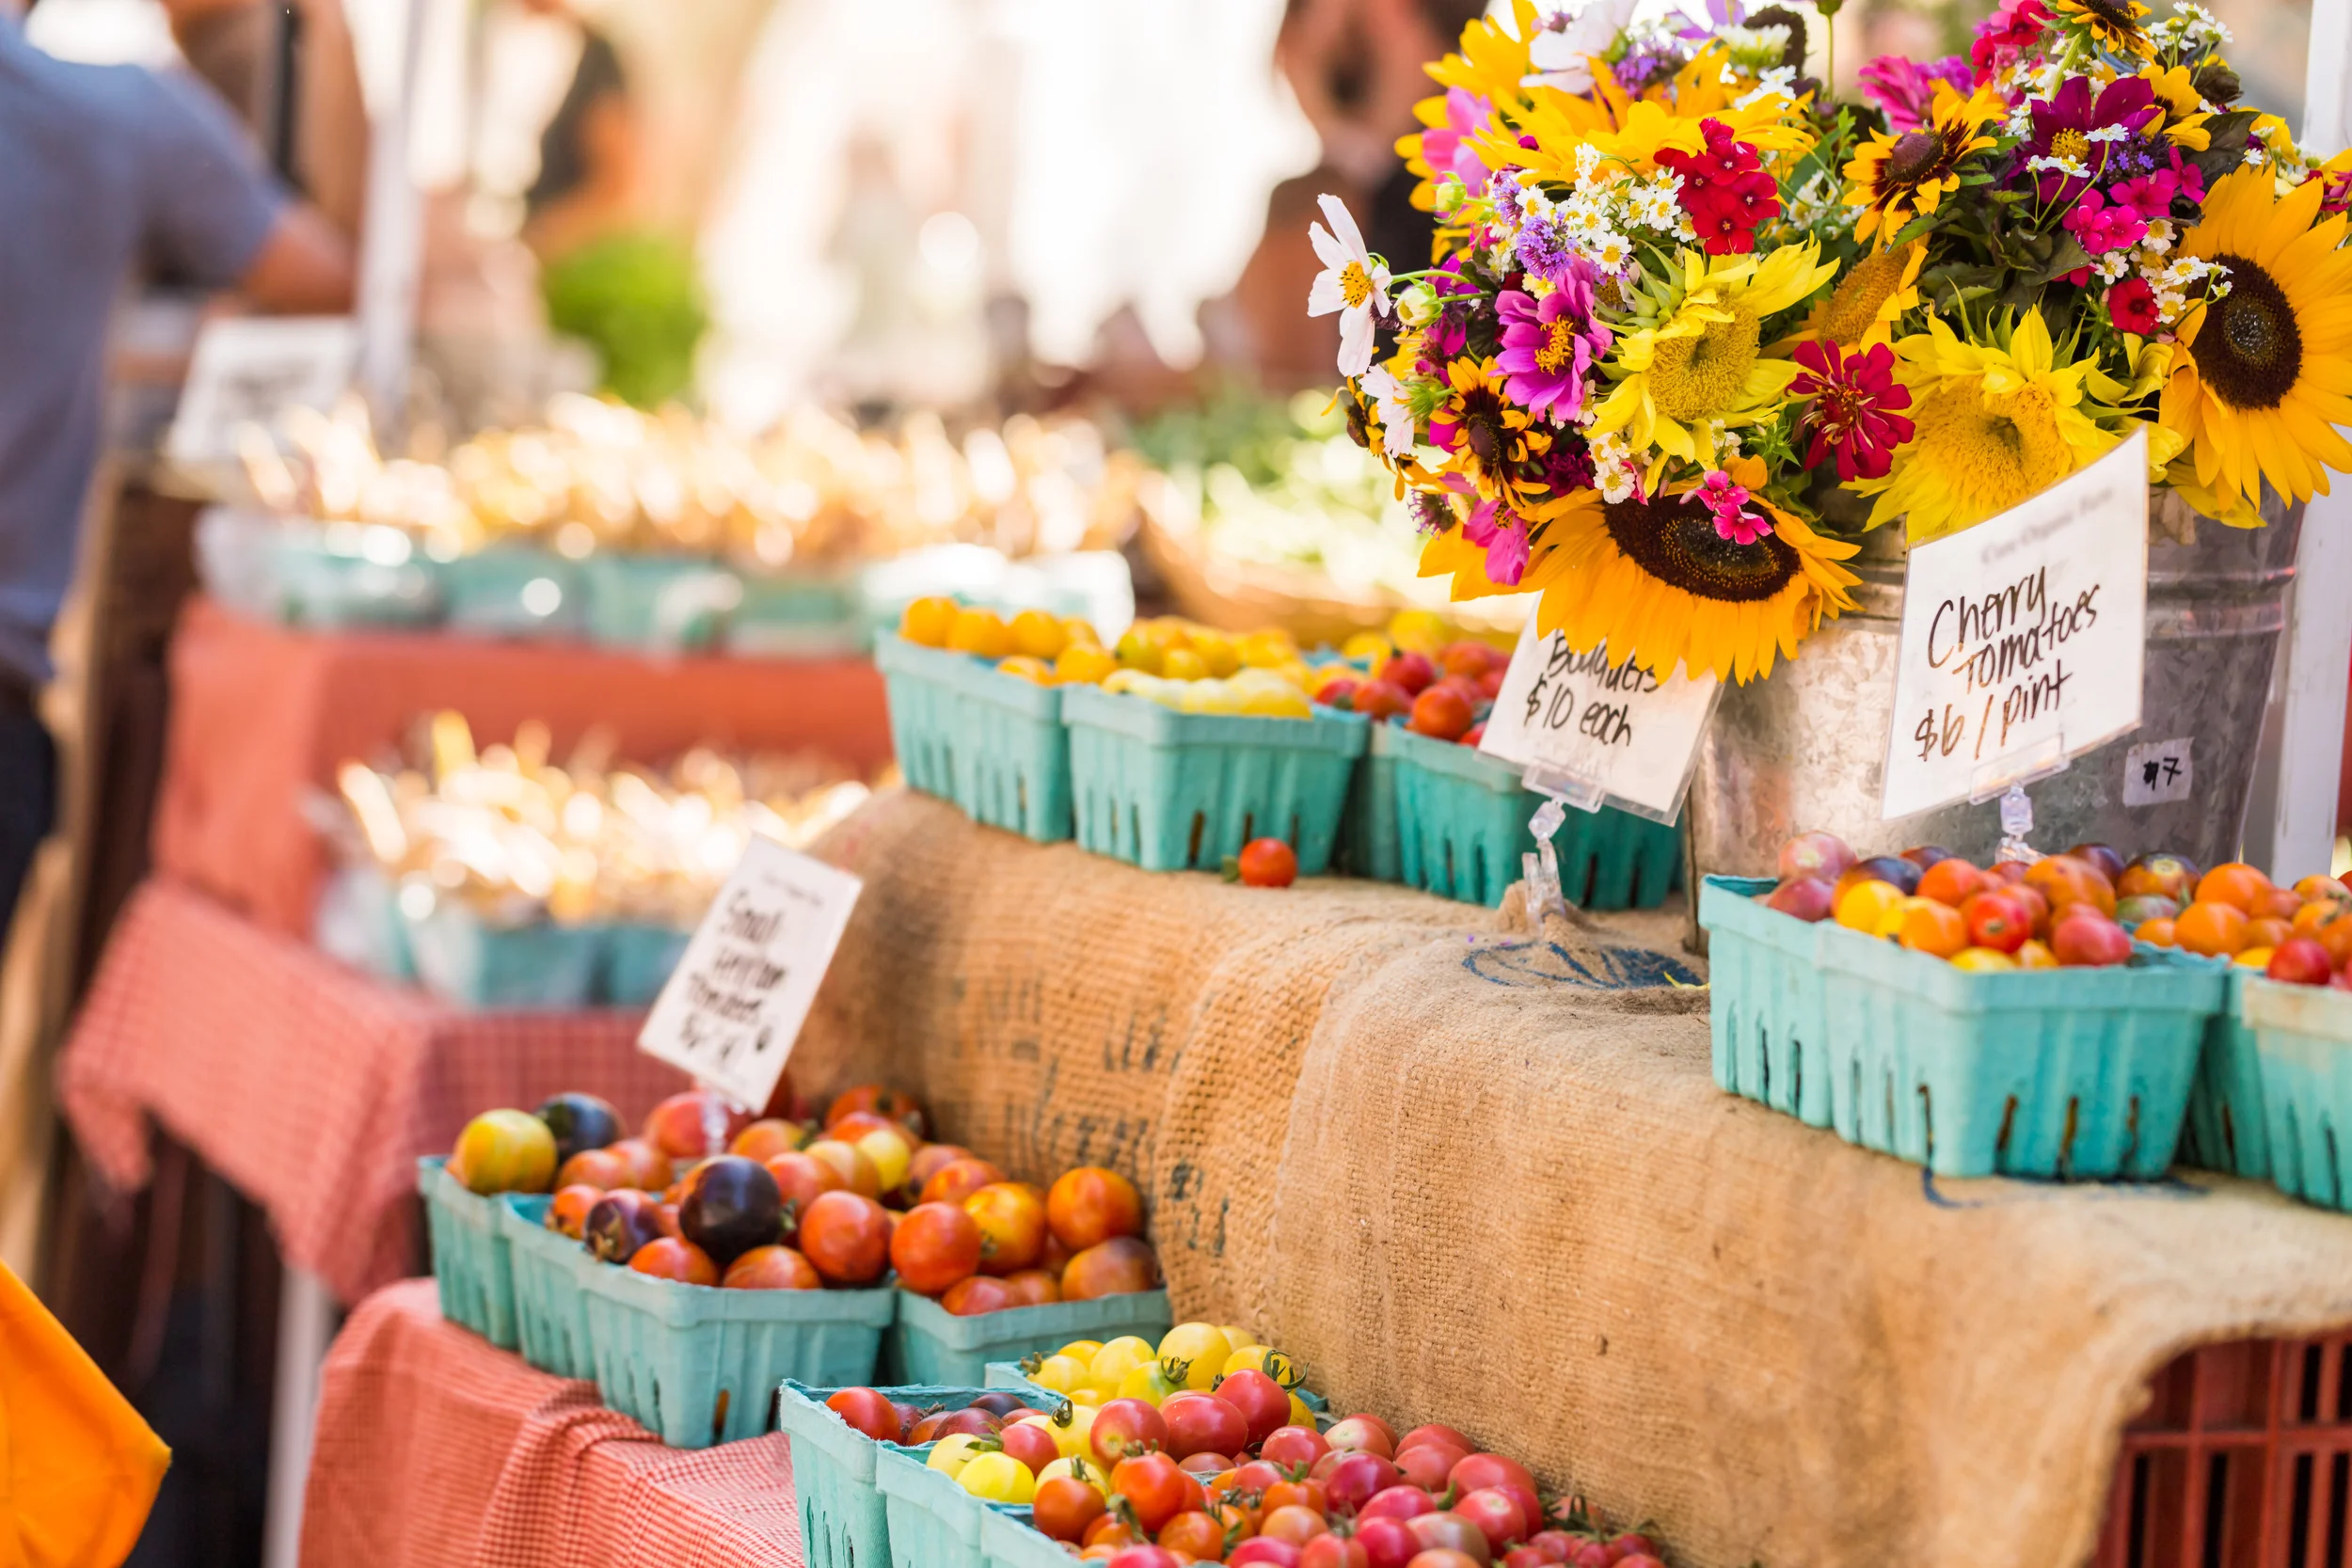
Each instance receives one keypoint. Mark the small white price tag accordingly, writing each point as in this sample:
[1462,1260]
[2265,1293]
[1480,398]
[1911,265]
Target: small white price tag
[736,1003]
[250,370]
[2157,773]
[2022,638]
[1627,735]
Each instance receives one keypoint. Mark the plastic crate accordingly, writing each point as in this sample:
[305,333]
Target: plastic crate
[550,1271]
[2303,1040]
[469,962]
[1171,791]
[934,1523]
[697,1364]
[843,1520]
[657,603]
[470,1262]
[991,742]
[930,1344]
[513,590]
[636,961]
[2074,1073]
[2243,1458]
[2226,1130]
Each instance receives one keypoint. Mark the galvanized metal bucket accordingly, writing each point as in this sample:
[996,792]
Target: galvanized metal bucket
[1807,748]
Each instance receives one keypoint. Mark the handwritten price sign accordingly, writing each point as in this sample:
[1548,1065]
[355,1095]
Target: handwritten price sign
[2022,638]
[1626,732]
[735,1005]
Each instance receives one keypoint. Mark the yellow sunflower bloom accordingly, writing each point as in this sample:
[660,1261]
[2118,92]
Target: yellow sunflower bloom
[2119,25]
[1861,312]
[1895,178]
[1691,359]
[1635,130]
[2184,105]
[2260,377]
[1492,61]
[1488,434]
[1996,422]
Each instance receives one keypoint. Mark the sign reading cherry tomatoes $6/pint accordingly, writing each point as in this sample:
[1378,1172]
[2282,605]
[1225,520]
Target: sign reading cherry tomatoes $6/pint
[1624,733]
[735,1004]
[2022,638]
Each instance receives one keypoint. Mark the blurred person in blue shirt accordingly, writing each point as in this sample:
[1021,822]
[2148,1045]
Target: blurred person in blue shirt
[103,169]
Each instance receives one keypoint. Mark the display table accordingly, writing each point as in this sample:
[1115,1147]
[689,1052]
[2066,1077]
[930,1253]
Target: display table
[311,1087]
[1473,1174]
[435,1450]
[261,715]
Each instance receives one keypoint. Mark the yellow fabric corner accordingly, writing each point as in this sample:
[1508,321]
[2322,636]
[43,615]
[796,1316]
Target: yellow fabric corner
[78,1468]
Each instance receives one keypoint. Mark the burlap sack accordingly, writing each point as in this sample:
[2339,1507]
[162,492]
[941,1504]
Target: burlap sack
[1512,1199]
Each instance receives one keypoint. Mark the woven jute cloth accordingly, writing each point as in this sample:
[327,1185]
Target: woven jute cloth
[434,1451]
[1477,1175]
[310,1086]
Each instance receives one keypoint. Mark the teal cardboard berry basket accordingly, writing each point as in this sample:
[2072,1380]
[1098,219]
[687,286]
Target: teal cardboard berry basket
[930,1344]
[467,961]
[517,590]
[550,1271]
[1010,1539]
[2227,1129]
[657,603]
[1368,845]
[934,1523]
[2303,1042]
[797,617]
[1171,791]
[470,1263]
[991,743]
[844,1522]
[2079,1073]
[696,1365]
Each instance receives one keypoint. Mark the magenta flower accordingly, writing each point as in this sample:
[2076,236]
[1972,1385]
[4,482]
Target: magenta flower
[1447,147]
[1504,538]
[1548,345]
[1729,500]
[2152,195]
[2010,30]
[1906,89]
[2103,225]
[1855,398]
[2063,124]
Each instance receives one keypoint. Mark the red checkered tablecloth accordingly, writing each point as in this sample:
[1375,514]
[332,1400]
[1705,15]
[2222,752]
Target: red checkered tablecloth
[310,1086]
[435,1450]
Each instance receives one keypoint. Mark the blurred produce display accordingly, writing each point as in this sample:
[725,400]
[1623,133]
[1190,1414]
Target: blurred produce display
[637,301]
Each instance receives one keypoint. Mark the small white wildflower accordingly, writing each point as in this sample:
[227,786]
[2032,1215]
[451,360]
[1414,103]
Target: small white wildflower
[1779,81]
[2059,166]
[2255,157]
[2106,132]
[2112,266]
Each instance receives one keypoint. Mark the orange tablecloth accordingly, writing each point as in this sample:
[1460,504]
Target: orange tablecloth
[435,1450]
[310,1086]
[260,714]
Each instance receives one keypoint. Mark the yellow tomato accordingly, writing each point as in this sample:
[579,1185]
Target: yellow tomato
[1263,650]
[1239,1339]
[1083,1349]
[927,621]
[890,1154]
[2255,957]
[1217,651]
[1138,652]
[1077,631]
[1208,696]
[2036,955]
[951,1454]
[1084,664]
[1089,1395]
[1118,1357]
[1023,667]
[1183,664]
[1060,1374]
[1280,702]
[998,1478]
[1151,1384]
[1983,960]
[1419,631]
[1374,645]
[1200,1349]
[1301,1415]
[1076,1436]
[980,632]
[1038,635]
[1072,1469]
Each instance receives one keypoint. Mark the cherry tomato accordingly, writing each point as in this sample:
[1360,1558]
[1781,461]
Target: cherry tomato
[934,1247]
[1089,1205]
[959,1179]
[1011,1220]
[1446,1531]
[1397,1502]
[1423,1433]
[1297,1493]
[1154,1487]
[1334,1551]
[1030,1443]
[1263,1552]
[1117,1267]
[1292,1522]
[1362,1433]
[1264,1404]
[1144,1557]
[671,1258]
[1202,1423]
[1124,1427]
[846,1238]
[1193,1533]
[1289,1446]
[1064,1507]
[1357,1479]
[977,1296]
[1268,863]
[866,1411]
[1497,1514]
[1109,1531]
[901,1108]
[1206,1465]
[1388,1542]
[1428,1466]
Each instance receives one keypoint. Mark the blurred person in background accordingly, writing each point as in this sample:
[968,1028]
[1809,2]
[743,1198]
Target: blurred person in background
[103,168]
[587,187]
[288,70]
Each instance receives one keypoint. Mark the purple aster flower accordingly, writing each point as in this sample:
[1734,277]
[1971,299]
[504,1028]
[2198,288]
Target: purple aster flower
[1548,345]
[1544,249]
[1906,89]
[2062,125]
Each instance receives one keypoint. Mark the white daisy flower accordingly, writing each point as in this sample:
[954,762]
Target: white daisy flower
[1562,55]
[1351,282]
[1396,413]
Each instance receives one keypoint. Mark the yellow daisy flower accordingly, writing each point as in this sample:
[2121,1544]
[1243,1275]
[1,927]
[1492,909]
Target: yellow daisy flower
[2119,25]
[1895,178]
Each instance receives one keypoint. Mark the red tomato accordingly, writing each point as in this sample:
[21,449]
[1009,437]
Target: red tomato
[1292,1522]
[1423,1433]
[670,1258]
[1268,863]
[1089,1205]
[1447,1530]
[1396,1503]
[1202,1423]
[1264,1404]
[1442,713]
[1557,1546]
[1357,1479]
[1034,1288]
[1363,1432]
[1475,736]
[772,1268]
[1490,1469]
[846,1238]
[1124,1427]
[1144,1557]
[1997,921]
[1030,1443]
[866,1410]
[1207,1464]
[934,1247]
[898,1107]
[1065,1507]
[1119,1267]
[1333,1551]
[1263,1552]
[1194,1534]
[1445,1557]
[1409,672]
[1153,1485]
[1378,700]
[1288,1446]
[1428,1465]
[978,1297]
[1388,1542]
[959,1179]
[1497,1514]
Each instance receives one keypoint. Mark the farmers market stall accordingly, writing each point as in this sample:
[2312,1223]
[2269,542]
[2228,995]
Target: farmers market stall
[434,1449]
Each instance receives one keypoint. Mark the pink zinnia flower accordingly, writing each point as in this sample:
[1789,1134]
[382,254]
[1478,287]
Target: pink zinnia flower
[1906,89]
[1855,398]
[1548,345]
[2103,225]
[1447,147]
[1728,501]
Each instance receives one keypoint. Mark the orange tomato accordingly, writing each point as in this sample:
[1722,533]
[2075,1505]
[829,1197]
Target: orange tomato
[2212,928]
[2157,933]
[2278,904]
[1951,881]
[2311,916]
[1929,926]
[2063,879]
[2336,936]
[2322,889]
[2233,883]
[2268,932]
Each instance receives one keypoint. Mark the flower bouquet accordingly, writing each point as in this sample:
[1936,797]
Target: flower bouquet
[1688,330]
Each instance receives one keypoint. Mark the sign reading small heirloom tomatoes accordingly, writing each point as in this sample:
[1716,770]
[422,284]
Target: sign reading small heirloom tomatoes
[735,1004]
[1622,732]
[2022,638]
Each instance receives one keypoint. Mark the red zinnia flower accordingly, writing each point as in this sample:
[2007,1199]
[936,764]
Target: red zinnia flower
[1724,189]
[2132,306]
[1855,398]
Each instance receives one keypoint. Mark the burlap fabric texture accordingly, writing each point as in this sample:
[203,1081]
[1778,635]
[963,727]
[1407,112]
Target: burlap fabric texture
[1472,1176]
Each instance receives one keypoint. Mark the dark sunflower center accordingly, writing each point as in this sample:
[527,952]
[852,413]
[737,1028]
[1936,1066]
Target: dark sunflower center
[1481,428]
[2114,14]
[2249,352]
[1676,543]
[1913,156]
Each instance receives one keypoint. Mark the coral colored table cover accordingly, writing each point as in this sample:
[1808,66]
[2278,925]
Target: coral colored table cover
[262,714]
[310,1086]
[435,1450]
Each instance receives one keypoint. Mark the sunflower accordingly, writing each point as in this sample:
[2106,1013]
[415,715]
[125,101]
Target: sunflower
[1896,177]
[2260,376]
[1658,583]
[2113,24]
[1692,357]
[1996,422]
[1487,434]
[1636,129]
[1493,59]
[1861,312]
